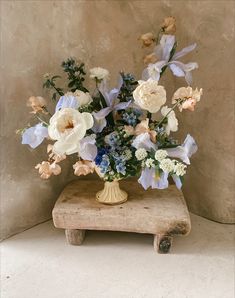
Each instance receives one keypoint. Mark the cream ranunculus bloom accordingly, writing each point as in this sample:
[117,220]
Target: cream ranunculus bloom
[68,127]
[190,96]
[83,98]
[150,96]
[99,73]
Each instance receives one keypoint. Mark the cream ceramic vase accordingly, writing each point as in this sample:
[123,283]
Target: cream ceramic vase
[111,194]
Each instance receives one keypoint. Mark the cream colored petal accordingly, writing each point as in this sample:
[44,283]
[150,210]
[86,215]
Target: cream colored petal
[88,120]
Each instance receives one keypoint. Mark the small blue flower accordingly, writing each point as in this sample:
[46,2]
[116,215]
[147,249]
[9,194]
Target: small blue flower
[104,164]
[130,118]
[120,167]
[99,155]
[113,139]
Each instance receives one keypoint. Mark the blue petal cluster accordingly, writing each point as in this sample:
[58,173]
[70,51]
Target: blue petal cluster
[131,118]
[99,155]
[104,164]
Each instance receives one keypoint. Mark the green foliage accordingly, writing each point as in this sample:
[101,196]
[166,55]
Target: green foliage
[50,83]
[128,86]
[171,56]
[76,73]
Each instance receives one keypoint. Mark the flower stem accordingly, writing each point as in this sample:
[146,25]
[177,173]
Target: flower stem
[149,115]
[42,120]
[57,90]
[179,101]
[46,110]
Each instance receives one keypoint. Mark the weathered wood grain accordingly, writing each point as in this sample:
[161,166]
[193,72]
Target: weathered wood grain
[159,212]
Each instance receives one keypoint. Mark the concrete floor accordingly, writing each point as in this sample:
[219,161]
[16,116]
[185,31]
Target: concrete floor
[39,264]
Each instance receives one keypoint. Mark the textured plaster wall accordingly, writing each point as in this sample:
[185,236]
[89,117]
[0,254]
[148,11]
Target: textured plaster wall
[37,35]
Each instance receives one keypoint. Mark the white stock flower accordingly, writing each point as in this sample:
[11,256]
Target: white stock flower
[84,98]
[140,153]
[99,73]
[160,154]
[172,122]
[68,127]
[150,163]
[179,169]
[150,96]
[167,165]
[127,154]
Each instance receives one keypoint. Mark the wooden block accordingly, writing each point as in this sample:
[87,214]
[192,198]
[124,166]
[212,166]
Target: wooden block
[75,237]
[162,243]
[162,213]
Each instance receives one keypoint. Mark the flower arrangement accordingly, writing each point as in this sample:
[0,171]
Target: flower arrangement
[120,132]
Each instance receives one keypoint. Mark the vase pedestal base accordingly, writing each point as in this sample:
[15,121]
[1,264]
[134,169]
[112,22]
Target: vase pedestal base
[162,213]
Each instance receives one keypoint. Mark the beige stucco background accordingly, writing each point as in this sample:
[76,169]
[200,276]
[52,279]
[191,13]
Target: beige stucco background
[37,35]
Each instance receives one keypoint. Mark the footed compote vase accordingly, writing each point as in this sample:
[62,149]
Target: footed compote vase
[111,194]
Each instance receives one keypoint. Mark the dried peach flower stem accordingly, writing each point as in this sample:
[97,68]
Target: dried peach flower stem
[40,119]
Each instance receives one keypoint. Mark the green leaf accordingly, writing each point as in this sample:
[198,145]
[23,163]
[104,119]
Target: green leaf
[54,96]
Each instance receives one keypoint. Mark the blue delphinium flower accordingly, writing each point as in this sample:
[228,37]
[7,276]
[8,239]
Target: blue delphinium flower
[121,168]
[99,155]
[113,139]
[104,164]
[129,118]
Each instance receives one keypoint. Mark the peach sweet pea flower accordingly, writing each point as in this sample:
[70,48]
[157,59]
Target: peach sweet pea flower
[147,39]
[37,103]
[143,127]
[151,58]
[83,167]
[54,156]
[190,97]
[46,169]
[168,26]
[129,130]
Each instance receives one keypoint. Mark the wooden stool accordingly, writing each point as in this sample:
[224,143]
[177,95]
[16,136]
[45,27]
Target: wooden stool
[162,213]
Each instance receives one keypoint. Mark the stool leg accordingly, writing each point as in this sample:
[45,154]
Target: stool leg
[75,237]
[162,243]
